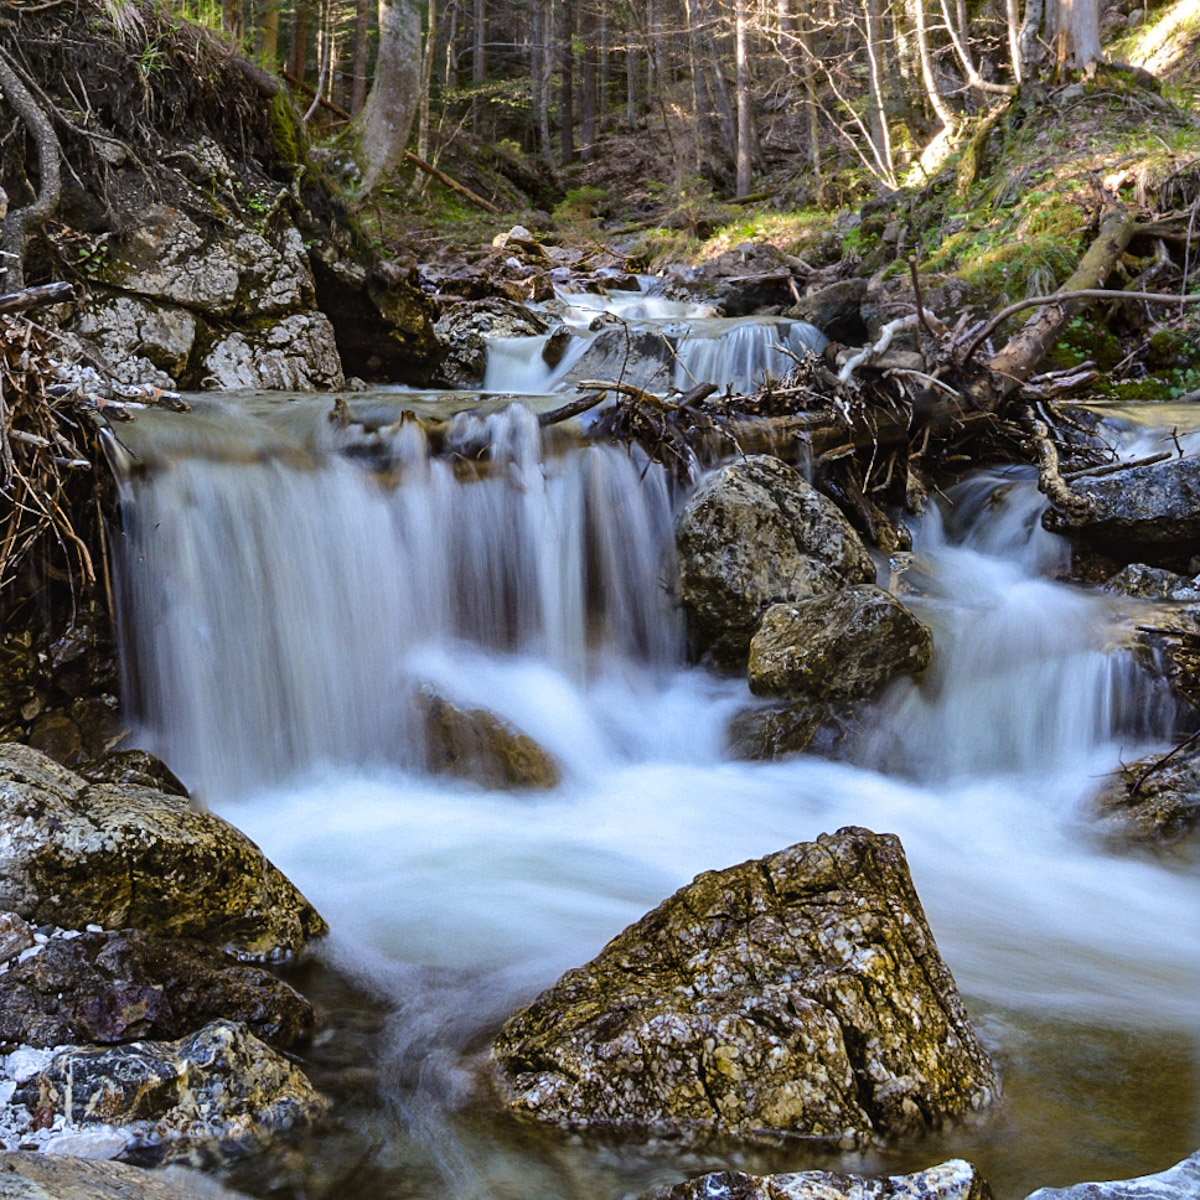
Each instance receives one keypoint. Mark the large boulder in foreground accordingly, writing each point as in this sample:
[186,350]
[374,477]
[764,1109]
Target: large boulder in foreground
[1143,513]
[1180,1182]
[953,1180]
[756,533]
[30,1176]
[76,853]
[843,646]
[797,995]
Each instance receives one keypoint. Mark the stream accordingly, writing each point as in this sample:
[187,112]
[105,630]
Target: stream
[279,608]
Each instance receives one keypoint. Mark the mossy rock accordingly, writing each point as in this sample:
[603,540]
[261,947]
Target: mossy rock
[289,138]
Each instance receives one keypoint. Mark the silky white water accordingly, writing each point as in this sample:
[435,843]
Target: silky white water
[274,620]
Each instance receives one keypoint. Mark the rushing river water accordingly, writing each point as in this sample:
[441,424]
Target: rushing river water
[277,618]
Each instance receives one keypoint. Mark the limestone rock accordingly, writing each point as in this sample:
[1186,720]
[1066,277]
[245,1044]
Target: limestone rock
[843,646]
[143,341]
[463,331]
[799,994]
[1142,512]
[15,935]
[28,1176]
[755,533]
[1152,583]
[640,357]
[475,744]
[1160,807]
[120,986]
[1180,1182]
[765,733]
[220,1082]
[953,1180]
[298,353]
[74,853]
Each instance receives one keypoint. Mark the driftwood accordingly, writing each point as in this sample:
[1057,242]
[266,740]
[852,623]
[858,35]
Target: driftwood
[46,293]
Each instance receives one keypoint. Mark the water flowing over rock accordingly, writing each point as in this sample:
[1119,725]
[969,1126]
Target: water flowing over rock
[128,857]
[30,1176]
[953,1180]
[778,730]
[799,994]
[464,329]
[1153,801]
[843,646]
[220,1082]
[755,534]
[120,986]
[1180,1182]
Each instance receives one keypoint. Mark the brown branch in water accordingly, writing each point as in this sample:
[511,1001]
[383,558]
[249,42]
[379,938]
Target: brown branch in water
[1158,764]
[628,389]
[573,409]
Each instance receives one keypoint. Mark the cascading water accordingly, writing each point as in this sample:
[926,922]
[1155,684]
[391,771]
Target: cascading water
[275,618]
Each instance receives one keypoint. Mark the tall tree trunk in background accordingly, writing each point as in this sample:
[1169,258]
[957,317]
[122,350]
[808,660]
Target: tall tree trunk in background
[1028,42]
[810,104]
[431,37]
[700,104]
[478,56]
[632,70]
[545,11]
[603,100]
[268,34]
[324,56]
[1077,32]
[298,48]
[744,136]
[567,96]
[231,18]
[1012,19]
[877,116]
[362,35]
[383,126]
[936,100]
[587,129]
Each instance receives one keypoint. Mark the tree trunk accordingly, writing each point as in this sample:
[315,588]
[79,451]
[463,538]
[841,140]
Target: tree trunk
[743,100]
[1029,44]
[878,116]
[1012,19]
[545,11]
[431,36]
[268,34]
[566,101]
[362,32]
[298,49]
[810,104]
[384,123]
[1078,34]
[928,76]
[587,30]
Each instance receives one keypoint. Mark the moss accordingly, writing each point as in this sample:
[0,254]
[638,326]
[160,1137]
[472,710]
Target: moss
[1149,388]
[289,141]
[1085,340]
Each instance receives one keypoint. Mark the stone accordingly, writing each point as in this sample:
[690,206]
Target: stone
[835,310]
[766,733]
[143,341]
[799,995]
[296,354]
[220,1082]
[1154,807]
[475,744]
[120,986]
[1142,513]
[463,330]
[846,645]
[1152,583]
[1180,1182]
[30,1176]
[133,767]
[640,357]
[753,534]
[16,934]
[953,1180]
[74,853]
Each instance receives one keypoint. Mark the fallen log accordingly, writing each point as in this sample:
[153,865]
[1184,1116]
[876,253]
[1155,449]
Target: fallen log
[32,297]
[452,184]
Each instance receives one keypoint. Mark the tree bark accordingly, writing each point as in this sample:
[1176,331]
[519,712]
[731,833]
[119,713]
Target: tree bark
[362,31]
[268,33]
[878,115]
[566,103]
[298,49]
[587,131]
[928,76]
[744,138]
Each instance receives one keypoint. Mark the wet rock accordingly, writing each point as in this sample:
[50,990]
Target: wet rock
[779,730]
[754,534]
[136,768]
[298,353]
[641,357]
[835,310]
[1143,513]
[842,646]
[953,1180]
[76,853]
[220,1082]
[16,935]
[55,734]
[120,986]
[799,994]
[1156,806]
[475,744]
[1180,1182]
[144,342]
[1152,583]
[464,328]
[28,1176]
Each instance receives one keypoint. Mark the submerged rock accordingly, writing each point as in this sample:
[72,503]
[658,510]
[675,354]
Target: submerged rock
[843,646]
[1180,1182]
[220,1082]
[953,1180]
[1152,803]
[28,1176]
[120,986]
[801,994]
[778,730]
[755,533]
[76,854]
[1152,583]
[475,744]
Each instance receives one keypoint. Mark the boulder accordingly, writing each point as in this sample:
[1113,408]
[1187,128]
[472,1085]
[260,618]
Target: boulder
[1152,583]
[641,357]
[753,534]
[842,646]
[75,854]
[475,744]
[30,1176]
[1180,1182]
[143,341]
[835,310]
[120,986]
[220,1082]
[773,731]
[1142,513]
[296,354]
[799,995]
[953,1180]
[1154,804]
[136,768]
[464,328]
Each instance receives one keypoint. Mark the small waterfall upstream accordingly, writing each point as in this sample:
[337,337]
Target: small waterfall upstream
[277,615]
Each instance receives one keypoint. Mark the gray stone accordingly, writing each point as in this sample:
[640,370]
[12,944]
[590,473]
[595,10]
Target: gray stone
[74,853]
[464,328]
[1154,806]
[797,995]
[953,1180]
[297,354]
[835,310]
[145,342]
[640,357]
[1152,583]
[16,934]
[1180,1182]
[29,1176]
[755,533]
[843,646]
[765,733]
